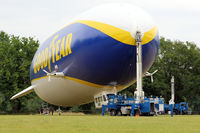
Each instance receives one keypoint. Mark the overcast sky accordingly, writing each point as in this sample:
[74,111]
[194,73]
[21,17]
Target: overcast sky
[176,19]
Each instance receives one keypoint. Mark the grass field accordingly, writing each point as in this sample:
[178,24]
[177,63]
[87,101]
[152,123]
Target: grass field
[80,123]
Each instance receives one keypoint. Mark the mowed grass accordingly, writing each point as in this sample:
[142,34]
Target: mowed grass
[98,124]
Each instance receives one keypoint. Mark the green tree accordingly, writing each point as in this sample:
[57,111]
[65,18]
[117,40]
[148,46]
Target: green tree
[15,59]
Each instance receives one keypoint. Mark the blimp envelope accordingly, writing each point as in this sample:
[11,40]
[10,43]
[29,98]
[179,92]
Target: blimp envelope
[95,52]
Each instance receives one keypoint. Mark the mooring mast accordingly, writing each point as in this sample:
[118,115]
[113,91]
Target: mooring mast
[139,93]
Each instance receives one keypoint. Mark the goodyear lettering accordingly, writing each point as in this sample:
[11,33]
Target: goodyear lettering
[52,46]
[49,60]
[34,66]
[68,44]
[38,62]
[58,48]
[42,60]
[62,48]
[45,57]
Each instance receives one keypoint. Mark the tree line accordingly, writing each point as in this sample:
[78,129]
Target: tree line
[175,58]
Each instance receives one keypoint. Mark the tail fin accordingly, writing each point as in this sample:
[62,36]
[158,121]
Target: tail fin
[24,92]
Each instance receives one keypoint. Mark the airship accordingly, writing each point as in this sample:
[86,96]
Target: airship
[94,53]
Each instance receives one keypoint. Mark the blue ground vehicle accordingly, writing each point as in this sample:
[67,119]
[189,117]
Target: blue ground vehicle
[178,109]
[119,105]
[122,105]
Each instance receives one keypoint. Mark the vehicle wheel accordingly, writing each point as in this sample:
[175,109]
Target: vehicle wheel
[184,113]
[151,114]
[137,112]
[119,113]
[175,112]
[112,113]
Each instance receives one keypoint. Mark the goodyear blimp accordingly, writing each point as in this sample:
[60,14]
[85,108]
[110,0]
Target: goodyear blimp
[94,53]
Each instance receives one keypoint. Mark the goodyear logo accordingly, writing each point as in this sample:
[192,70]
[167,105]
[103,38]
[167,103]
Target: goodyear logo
[56,50]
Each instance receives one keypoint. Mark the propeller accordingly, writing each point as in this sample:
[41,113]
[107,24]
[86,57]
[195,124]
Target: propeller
[151,74]
[54,73]
[48,74]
